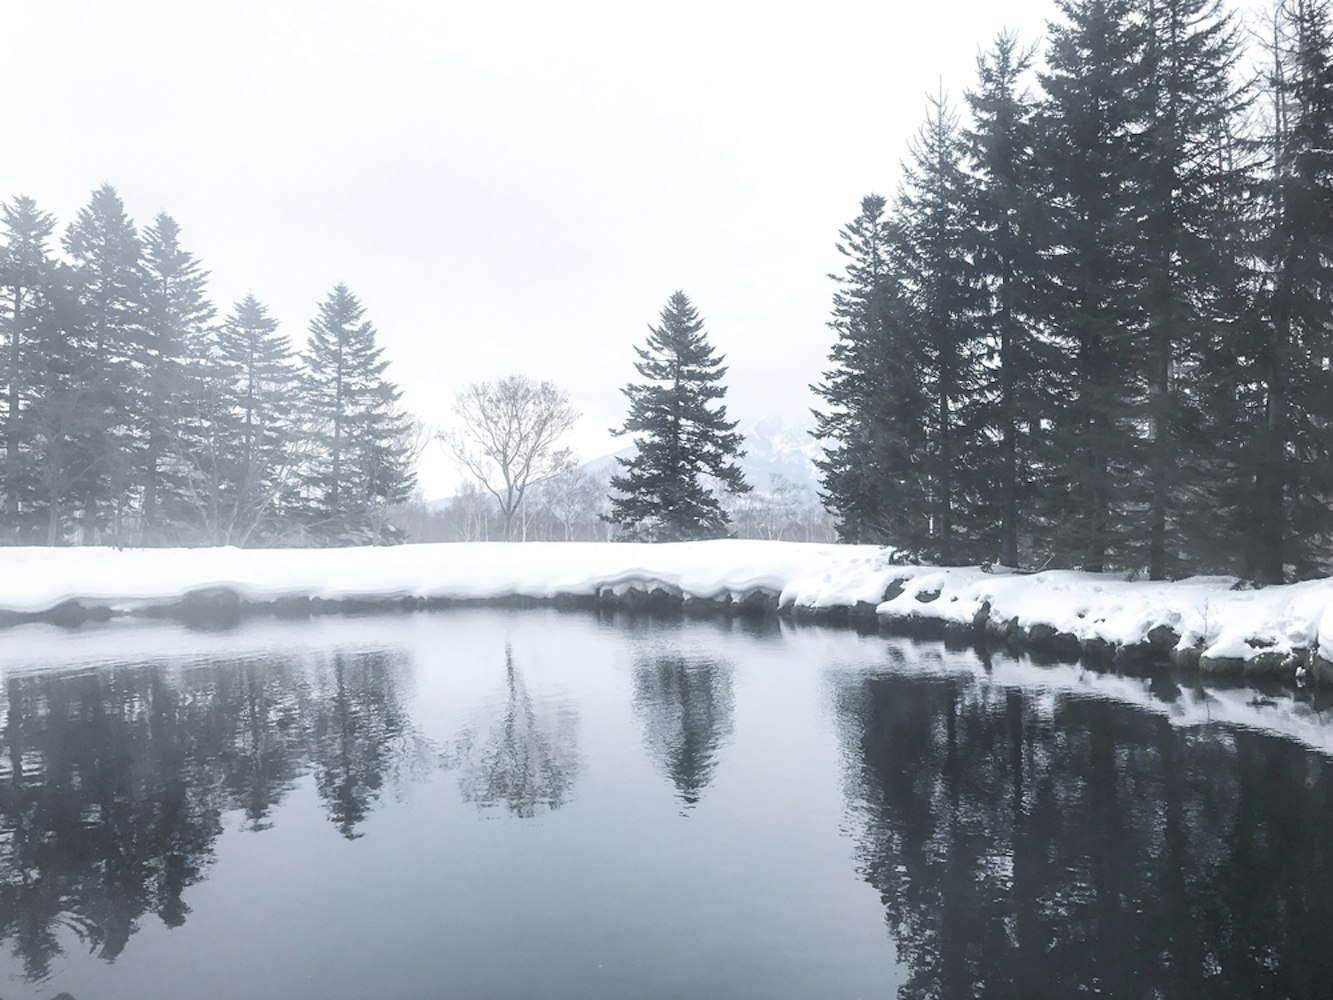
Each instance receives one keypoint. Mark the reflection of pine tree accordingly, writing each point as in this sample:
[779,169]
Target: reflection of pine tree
[103,819]
[1025,849]
[113,785]
[686,707]
[265,753]
[357,725]
[526,759]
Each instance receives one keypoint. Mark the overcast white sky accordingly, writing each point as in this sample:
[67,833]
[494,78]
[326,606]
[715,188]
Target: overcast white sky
[509,187]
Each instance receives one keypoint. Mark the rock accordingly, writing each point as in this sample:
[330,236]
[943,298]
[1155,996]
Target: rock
[1047,639]
[1163,637]
[981,620]
[1099,651]
[1187,658]
[864,611]
[211,607]
[758,602]
[71,614]
[896,588]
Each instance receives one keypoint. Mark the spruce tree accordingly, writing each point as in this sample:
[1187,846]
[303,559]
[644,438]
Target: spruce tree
[174,361]
[873,428]
[1291,449]
[105,249]
[681,434]
[1191,183]
[26,273]
[1090,122]
[360,461]
[260,431]
[1021,369]
[63,423]
[935,216]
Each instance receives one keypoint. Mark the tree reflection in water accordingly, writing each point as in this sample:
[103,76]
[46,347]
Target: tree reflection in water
[686,707]
[113,783]
[1028,844]
[522,755]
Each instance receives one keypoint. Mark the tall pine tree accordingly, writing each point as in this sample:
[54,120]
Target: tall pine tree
[261,433]
[174,363]
[359,460]
[1291,453]
[681,434]
[1090,123]
[872,430]
[935,216]
[26,273]
[1191,184]
[106,251]
[1021,368]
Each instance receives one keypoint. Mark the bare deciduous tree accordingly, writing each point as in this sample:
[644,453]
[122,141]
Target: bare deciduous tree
[507,437]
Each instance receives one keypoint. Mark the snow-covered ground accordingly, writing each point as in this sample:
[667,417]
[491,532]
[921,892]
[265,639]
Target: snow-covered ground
[1278,627]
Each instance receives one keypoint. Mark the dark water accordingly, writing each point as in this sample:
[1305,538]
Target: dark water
[533,805]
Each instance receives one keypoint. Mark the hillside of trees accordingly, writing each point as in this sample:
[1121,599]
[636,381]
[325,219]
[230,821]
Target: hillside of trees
[1094,327]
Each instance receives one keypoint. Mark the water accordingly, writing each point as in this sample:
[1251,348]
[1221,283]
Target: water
[530,804]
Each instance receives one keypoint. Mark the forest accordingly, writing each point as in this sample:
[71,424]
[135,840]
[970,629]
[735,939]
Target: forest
[1092,328]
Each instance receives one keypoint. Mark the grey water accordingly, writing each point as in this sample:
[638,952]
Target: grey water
[530,804]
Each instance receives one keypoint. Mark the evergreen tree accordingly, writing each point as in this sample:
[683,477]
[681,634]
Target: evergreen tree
[107,254]
[873,431]
[1021,369]
[63,424]
[360,461]
[935,213]
[681,434]
[1191,185]
[175,360]
[1291,453]
[26,272]
[261,434]
[1090,122]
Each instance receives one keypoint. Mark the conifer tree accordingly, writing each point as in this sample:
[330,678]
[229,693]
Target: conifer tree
[681,434]
[359,461]
[1191,185]
[105,249]
[174,361]
[241,450]
[1291,453]
[942,285]
[1089,124]
[262,433]
[1021,372]
[873,431]
[63,423]
[26,271]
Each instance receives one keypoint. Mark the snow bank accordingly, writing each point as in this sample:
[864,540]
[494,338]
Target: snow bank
[1277,628]
[1208,616]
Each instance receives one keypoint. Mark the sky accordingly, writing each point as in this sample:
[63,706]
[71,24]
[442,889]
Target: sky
[508,188]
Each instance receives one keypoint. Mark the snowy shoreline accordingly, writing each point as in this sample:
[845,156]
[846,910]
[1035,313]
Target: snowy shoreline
[1203,621]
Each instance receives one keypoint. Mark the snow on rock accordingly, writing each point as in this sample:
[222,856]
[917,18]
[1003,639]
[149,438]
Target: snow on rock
[1278,626]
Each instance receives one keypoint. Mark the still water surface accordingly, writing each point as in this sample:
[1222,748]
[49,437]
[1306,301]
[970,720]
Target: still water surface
[530,804]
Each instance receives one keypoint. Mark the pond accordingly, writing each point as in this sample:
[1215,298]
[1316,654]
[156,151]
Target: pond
[492,803]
